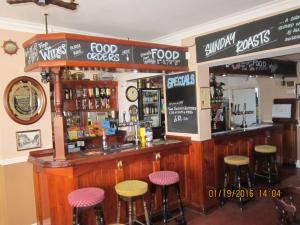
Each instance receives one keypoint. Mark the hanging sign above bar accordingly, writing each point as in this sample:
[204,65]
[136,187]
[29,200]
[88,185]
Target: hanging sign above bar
[263,67]
[102,52]
[273,32]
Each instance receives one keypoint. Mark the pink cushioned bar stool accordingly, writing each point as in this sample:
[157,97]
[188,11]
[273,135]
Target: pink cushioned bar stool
[85,198]
[165,180]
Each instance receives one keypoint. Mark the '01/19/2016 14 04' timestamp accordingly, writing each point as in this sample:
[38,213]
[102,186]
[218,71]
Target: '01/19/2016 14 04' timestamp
[243,193]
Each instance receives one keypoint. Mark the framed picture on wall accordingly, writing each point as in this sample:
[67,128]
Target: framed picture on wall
[28,139]
[298,91]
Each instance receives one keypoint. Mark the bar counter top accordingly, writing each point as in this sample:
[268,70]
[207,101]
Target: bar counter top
[45,158]
[245,131]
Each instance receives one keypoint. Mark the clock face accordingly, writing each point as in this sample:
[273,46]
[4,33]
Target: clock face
[131,93]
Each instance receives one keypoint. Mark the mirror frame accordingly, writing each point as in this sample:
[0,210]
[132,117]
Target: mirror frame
[42,97]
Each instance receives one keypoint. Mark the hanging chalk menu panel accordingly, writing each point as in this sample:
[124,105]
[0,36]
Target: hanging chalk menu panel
[80,50]
[181,104]
[159,56]
[47,50]
[99,52]
[77,50]
[273,32]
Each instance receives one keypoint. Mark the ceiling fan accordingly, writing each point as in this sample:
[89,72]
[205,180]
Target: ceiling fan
[68,5]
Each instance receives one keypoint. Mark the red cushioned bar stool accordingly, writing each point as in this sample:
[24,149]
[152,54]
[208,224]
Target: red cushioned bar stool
[165,180]
[84,198]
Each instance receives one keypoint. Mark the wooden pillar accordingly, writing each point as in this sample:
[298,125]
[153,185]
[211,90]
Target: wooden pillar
[59,123]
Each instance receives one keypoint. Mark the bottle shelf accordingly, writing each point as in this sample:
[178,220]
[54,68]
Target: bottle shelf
[149,103]
[74,84]
[156,114]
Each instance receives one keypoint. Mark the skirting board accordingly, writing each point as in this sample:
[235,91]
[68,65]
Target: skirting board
[298,164]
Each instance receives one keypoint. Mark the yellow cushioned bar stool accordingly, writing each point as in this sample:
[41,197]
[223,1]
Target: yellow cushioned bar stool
[130,191]
[237,164]
[265,163]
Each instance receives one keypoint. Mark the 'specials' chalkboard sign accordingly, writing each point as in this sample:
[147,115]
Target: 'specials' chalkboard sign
[265,67]
[158,56]
[89,51]
[273,32]
[181,104]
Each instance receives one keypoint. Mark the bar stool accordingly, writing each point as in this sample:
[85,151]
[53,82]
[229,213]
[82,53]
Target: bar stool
[83,198]
[165,180]
[265,155]
[130,191]
[237,163]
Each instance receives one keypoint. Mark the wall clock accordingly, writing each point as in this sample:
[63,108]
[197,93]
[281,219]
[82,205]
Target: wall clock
[10,47]
[24,100]
[131,93]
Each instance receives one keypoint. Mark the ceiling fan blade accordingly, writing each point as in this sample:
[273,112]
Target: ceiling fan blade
[18,1]
[67,5]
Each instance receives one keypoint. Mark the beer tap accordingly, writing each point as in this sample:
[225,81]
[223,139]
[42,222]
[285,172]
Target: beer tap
[244,122]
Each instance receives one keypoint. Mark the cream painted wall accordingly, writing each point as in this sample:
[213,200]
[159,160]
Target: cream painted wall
[3,209]
[16,179]
[266,88]
[12,66]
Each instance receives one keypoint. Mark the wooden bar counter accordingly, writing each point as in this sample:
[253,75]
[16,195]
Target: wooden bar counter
[54,179]
[207,158]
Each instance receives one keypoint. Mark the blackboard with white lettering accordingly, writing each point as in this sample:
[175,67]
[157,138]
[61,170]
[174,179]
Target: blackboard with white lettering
[89,51]
[264,67]
[46,50]
[99,52]
[269,33]
[159,56]
[181,104]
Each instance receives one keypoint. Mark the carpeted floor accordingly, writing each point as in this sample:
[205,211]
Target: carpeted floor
[258,212]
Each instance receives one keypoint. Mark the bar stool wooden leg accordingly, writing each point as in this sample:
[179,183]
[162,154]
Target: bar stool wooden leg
[181,211]
[134,211]
[99,215]
[238,172]
[248,177]
[226,169]
[118,210]
[153,190]
[74,216]
[269,172]
[275,165]
[79,216]
[146,211]
[130,211]
[165,204]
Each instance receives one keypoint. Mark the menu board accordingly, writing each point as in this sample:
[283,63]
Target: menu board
[281,111]
[181,104]
[265,67]
[159,56]
[273,32]
[92,51]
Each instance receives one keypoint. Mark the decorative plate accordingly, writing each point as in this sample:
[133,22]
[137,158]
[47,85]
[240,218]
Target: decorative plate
[25,100]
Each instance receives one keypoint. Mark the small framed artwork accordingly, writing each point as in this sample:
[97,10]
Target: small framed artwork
[298,91]
[28,139]
[205,97]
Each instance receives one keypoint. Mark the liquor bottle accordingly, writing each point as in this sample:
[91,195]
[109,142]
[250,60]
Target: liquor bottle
[67,94]
[107,90]
[103,98]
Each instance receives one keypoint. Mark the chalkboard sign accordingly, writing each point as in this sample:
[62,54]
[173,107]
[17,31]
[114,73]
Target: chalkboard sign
[93,51]
[46,51]
[159,56]
[181,104]
[265,67]
[273,32]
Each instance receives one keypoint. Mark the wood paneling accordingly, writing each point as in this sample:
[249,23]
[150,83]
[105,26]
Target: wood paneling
[207,160]
[52,185]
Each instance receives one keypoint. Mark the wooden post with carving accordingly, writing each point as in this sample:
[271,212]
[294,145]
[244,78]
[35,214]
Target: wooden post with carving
[59,123]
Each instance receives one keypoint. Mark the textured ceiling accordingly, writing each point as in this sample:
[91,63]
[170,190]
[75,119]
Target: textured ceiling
[136,19]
